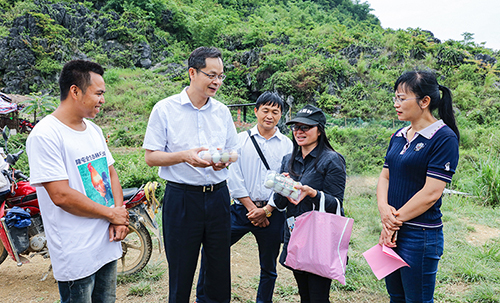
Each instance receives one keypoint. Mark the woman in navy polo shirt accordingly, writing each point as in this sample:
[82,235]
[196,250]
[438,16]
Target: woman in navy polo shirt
[420,160]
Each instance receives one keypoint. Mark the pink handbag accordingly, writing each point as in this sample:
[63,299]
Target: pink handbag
[319,243]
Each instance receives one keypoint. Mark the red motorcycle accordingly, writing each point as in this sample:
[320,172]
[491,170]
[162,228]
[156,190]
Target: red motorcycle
[30,241]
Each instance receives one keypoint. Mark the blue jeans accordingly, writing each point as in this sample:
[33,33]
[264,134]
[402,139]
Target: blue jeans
[422,249]
[99,287]
[269,242]
[191,219]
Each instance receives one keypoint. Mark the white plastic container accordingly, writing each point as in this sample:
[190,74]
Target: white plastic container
[282,185]
[219,156]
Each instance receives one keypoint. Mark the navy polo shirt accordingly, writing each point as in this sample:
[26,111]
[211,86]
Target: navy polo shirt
[433,152]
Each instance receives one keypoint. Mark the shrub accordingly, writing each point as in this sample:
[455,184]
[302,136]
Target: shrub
[488,180]
[363,148]
[40,105]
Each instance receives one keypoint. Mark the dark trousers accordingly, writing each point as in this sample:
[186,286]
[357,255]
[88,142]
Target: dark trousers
[269,241]
[191,219]
[312,288]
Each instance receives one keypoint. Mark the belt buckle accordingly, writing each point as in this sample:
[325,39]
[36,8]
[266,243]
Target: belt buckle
[209,188]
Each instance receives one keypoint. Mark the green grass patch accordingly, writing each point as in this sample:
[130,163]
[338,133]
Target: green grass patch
[140,289]
[152,272]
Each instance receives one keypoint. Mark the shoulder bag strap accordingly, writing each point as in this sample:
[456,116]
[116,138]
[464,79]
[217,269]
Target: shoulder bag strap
[261,155]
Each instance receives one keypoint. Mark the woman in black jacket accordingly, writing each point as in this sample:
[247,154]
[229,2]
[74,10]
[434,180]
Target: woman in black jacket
[316,165]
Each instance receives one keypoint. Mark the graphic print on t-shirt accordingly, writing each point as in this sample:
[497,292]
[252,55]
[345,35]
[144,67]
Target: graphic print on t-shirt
[95,178]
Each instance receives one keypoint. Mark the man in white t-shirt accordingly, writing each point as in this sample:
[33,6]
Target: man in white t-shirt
[80,196]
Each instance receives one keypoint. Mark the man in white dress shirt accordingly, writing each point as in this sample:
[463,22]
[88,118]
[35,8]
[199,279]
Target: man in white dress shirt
[250,211]
[196,201]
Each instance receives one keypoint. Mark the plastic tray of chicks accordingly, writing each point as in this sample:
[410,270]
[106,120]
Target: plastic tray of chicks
[216,156]
[284,186]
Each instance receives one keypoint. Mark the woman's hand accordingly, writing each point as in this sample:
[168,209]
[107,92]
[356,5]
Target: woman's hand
[305,190]
[388,239]
[388,216]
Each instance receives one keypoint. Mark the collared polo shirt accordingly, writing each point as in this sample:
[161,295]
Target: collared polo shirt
[175,124]
[432,152]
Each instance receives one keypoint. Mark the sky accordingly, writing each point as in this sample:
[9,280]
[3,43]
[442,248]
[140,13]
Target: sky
[446,19]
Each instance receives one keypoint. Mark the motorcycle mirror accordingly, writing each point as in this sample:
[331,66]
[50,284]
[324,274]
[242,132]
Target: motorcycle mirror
[6,135]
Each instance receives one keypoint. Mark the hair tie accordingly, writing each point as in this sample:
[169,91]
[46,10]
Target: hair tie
[439,87]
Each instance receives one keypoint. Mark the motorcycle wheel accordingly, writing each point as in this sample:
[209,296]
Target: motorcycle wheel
[3,253]
[137,249]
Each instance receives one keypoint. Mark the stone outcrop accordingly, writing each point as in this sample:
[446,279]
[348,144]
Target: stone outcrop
[88,34]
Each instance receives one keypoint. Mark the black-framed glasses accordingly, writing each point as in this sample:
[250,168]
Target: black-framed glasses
[302,127]
[221,77]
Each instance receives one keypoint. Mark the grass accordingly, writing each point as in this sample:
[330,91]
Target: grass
[133,170]
[465,263]
[140,289]
[153,272]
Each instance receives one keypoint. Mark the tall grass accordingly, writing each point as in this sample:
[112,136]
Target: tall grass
[488,180]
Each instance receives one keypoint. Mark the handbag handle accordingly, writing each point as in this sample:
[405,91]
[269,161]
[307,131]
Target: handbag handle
[322,204]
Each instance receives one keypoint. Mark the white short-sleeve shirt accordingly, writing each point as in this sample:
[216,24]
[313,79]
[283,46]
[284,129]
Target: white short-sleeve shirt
[78,246]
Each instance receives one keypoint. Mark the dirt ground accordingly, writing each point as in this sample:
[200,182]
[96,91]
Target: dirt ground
[22,284]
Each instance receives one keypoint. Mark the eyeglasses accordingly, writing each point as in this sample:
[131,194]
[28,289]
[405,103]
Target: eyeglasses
[221,77]
[303,127]
[399,100]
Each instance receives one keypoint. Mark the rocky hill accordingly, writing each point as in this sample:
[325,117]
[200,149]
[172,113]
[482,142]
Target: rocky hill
[332,53]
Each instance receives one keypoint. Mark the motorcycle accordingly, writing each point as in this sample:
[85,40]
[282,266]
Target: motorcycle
[17,243]
[137,246]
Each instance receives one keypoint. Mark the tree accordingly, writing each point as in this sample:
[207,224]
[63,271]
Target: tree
[41,104]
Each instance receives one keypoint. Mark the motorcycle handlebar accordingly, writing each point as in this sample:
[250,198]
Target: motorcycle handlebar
[19,175]
[6,174]
[12,158]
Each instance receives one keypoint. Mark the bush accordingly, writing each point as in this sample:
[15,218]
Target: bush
[488,180]
[132,168]
[363,148]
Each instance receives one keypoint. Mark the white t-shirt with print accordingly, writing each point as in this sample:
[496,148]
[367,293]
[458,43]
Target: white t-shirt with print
[78,246]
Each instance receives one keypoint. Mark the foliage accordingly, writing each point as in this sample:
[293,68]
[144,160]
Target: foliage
[41,104]
[488,180]
[47,45]
[363,148]
[330,53]
[132,169]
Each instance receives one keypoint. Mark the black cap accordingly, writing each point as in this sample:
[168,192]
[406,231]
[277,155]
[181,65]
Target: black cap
[309,115]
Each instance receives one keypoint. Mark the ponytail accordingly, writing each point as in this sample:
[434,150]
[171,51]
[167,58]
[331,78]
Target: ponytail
[445,109]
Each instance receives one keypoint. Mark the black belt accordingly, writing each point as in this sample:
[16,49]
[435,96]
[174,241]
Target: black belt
[199,188]
[260,203]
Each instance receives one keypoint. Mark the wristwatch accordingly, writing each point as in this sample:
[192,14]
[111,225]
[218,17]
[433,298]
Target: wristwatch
[268,213]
